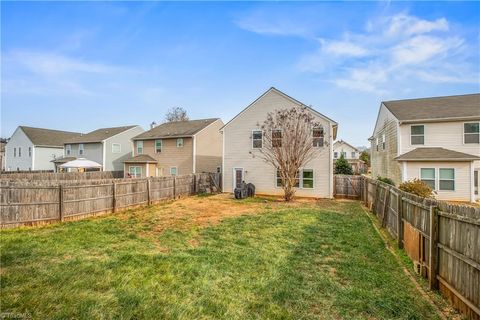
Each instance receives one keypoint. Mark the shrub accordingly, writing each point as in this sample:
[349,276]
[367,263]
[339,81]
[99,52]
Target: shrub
[417,187]
[342,166]
[386,180]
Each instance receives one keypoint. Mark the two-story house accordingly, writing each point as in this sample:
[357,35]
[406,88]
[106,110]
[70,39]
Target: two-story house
[243,139]
[176,148]
[432,139]
[106,146]
[34,148]
[351,154]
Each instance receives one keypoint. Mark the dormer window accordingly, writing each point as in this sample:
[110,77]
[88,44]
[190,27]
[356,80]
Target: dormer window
[471,132]
[417,134]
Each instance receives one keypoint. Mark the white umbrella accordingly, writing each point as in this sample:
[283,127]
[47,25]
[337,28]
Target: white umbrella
[81,163]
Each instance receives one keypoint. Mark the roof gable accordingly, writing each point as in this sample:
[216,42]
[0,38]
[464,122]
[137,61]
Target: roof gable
[99,135]
[336,144]
[47,137]
[176,129]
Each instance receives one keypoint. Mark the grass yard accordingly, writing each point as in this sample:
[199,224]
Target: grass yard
[209,258]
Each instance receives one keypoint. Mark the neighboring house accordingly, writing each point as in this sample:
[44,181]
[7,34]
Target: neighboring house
[432,139]
[351,154]
[106,146]
[242,139]
[34,148]
[177,148]
[3,143]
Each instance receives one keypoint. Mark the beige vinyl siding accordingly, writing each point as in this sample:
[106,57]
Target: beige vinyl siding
[209,148]
[238,152]
[383,162]
[462,190]
[340,147]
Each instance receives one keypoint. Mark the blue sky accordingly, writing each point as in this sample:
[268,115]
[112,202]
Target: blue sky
[83,65]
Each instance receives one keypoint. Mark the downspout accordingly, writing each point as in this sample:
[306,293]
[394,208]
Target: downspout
[194,153]
[33,157]
[104,157]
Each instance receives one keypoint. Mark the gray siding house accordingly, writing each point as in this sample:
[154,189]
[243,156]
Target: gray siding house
[35,148]
[106,146]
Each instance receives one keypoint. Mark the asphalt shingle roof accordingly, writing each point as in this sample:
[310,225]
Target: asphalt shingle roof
[141,158]
[435,154]
[176,129]
[449,107]
[98,135]
[48,137]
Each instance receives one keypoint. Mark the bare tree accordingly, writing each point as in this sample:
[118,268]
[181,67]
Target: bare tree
[176,114]
[290,139]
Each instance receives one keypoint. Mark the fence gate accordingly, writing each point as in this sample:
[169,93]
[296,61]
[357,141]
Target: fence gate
[347,187]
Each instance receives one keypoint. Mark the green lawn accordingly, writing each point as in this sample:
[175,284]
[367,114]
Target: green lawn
[209,258]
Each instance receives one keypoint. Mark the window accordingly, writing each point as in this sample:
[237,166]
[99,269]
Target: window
[276,138]
[14,152]
[279,179]
[257,139]
[30,152]
[139,147]
[318,137]
[471,132]
[417,134]
[353,154]
[158,146]
[219,169]
[447,179]
[68,149]
[116,148]
[81,149]
[173,171]
[376,142]
[427,175]
[307,179]
[335,154]
[135,172]
[344,154]
[19,151]
[383,141]
[179,142]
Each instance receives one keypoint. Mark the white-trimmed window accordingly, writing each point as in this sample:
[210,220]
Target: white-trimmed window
[14,152]
[318,137]
[30,152]
[81,149]
[158,146]
[116,148]
[353,154]
[173,171]
[179,142]
[335,155]
[383,141]
[344,154]
[19,151]
[68,149]
[304,179]
[139,147]
[276,138]
[427,175]
[446,179]
[376,143]
[417,134]
[471,132]
[257,139]
[135,171]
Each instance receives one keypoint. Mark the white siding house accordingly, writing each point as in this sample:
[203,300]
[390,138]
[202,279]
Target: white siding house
[241,160]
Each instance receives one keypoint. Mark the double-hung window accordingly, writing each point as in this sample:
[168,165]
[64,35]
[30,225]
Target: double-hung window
[276,138]
[446,179]
[376,143]
[318,137]
[383,141]
[14,152]
[135,172]
[116,148]
[81,149]
[257,139]
[353,154]
[179,142]
[139,147]
[344,154]
[30,152]
[19,151]
[304,179]
[173,171]
[427,175]
[335,154]
[158,146]
[471,132]
[68,149]
[417,134]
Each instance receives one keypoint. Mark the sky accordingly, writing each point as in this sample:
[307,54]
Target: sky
[79,66]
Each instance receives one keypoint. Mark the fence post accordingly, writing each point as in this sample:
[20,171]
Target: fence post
[400,220]
[60,202]
[433,258]
[149,202]
[194,183]
[386,205]
[174,188]
[114,200]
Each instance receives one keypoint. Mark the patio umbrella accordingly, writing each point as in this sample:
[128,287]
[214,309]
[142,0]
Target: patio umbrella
[81,163]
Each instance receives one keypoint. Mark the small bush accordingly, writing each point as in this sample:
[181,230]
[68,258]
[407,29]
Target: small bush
[342,166]
[417,187]
[386,180]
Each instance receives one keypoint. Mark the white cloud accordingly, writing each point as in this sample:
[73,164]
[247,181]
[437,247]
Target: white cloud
[402,24]
[343,48]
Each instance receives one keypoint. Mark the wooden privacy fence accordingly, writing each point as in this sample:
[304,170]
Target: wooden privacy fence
[442,239]
[45,175]
[26,204]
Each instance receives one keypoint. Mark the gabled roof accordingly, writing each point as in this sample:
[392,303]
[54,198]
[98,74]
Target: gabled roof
[344,142]
[291,99]
[47,137]
[141,158]
[435,154]
[99,135]
[436,108]
[176,129]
